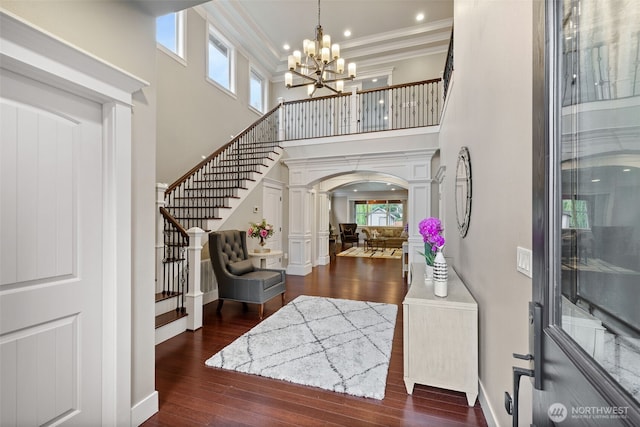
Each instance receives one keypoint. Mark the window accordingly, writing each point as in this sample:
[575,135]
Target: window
[170,33]
[598,173]
[220,61]
[574,214]
[256,90]
[379,212]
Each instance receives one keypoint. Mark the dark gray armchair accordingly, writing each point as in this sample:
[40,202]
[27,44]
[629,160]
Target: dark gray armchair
[238,279]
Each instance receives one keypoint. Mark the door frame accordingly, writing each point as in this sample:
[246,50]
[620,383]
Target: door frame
[38,55]
[589,380]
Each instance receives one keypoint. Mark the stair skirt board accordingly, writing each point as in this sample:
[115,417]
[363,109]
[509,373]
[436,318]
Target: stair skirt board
[170,330]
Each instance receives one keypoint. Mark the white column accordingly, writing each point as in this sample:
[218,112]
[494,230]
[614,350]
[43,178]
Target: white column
[193,298]
[419,205]
[160,189]
[322,236]
[299,231]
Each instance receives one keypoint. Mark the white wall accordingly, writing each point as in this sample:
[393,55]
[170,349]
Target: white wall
[196,117]
[418,69]
[490,111]
[103,29]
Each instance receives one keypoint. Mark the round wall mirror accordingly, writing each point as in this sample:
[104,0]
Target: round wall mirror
[463,191]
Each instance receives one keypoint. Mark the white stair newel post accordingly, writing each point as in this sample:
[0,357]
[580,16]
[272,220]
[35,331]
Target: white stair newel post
[160,189]
[281,113]
[194,298]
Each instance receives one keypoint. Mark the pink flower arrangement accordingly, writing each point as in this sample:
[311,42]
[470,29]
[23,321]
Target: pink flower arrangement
[431,231]
[261,230]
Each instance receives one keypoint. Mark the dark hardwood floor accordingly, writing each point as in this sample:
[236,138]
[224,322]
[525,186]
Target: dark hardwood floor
[192,394]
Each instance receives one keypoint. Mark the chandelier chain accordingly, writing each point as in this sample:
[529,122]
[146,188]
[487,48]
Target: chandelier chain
[321,67]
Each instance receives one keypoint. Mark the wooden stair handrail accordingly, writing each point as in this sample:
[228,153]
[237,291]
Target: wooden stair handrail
[197,167]
[165,213]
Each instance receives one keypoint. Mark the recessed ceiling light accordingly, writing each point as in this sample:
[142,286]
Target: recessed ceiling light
[595,180]
[626,170]
[374,80]
[355,189]
[393,189]
[286,46]
[347,33]
[420,17]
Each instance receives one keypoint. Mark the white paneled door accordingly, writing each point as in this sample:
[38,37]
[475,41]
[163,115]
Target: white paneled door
[50,255]
[272,201]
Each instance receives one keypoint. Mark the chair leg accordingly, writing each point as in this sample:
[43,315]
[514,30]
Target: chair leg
[283,298]
[261,311]
[220,302]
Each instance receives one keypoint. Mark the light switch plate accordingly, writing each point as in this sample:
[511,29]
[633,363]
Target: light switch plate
[524,260]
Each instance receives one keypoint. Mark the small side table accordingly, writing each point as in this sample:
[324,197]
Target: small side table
[375,243]
[264,255]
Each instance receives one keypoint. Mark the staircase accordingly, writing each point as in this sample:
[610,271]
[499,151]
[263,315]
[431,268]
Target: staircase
[203,199]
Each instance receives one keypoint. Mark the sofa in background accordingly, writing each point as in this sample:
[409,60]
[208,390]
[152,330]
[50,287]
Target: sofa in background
[394,235]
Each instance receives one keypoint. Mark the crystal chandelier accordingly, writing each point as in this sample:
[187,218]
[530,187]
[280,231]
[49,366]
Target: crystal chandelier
[322,65]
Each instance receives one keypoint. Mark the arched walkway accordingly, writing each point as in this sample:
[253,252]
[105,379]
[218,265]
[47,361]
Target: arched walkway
[311,179]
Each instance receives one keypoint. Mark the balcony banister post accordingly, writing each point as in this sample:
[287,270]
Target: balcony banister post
[160,202]
[281,118]
[194,298]
[355,113]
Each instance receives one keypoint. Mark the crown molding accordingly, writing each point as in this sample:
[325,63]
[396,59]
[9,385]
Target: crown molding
[232,19]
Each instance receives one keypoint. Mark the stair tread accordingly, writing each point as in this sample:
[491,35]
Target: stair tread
[161,296]
[196,218]
[226,173]
[209,197]
[176,244]
[214,189]
[199,207]
[171,316]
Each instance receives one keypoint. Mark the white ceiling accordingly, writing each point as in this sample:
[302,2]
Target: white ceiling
[383,31]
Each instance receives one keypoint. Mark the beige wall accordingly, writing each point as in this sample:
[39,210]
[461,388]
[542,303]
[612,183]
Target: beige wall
[418,69]
[196,117]
[103,28]
[489,111]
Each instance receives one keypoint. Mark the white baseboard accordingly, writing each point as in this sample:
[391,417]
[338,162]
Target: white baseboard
[487,409]
[144,409]
[299,270]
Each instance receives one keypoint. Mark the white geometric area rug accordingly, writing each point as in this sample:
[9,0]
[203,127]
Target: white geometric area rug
[334,344]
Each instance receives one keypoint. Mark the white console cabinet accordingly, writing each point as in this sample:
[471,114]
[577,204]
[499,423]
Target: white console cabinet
[440,336]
